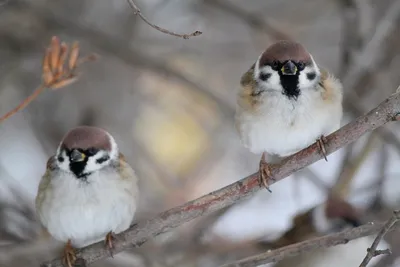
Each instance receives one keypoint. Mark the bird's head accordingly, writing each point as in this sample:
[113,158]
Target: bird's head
[85,150]
[286,67]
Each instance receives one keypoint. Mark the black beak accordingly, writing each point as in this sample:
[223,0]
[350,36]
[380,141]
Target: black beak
[289,68]
[77,156]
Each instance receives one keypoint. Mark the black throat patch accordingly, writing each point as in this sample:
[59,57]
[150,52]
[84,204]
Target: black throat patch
[290,85]
[77,168]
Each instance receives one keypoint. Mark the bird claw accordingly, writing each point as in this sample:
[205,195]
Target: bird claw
[110,238]
[265,173]
[69,255]
[321,144]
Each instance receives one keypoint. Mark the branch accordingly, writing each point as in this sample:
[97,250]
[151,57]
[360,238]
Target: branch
[296,249]
[343,183]
[251,19]
[136,235]
[137,11]
[372,252]
[350,33]
[58,70]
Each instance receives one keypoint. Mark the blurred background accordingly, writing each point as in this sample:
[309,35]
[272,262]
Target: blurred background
[170,104]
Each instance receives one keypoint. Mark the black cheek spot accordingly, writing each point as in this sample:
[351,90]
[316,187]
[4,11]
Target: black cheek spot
[264,76]
[102,159]
[311,76]
[60,159]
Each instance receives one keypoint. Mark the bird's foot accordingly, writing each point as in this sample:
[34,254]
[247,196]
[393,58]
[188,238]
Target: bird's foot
[321,144]
[69,255]
[110,238]
[264,173]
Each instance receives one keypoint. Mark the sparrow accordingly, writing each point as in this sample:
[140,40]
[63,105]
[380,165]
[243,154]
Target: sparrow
[330,216]
[88,192]
[285,103]
[333,215]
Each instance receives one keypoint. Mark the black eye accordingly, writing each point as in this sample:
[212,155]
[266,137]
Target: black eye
[264,76]
[275,65]
[60,159]
[311,75]
[102,159]
[301,65]
[91,151]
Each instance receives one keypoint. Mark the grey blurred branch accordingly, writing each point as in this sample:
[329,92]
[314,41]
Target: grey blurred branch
[351,38]
[344,181]
[137,11]
[366,61]
[137,235]
[326,241]
[120,48]
[251,19]
[372,251]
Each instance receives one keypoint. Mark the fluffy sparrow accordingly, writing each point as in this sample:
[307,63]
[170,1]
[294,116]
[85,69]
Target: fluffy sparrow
[286,103]
[88,192]
[331,216]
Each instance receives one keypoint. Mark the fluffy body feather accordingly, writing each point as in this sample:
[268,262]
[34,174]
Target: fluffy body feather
[84,209]
[281,114]
[281,126]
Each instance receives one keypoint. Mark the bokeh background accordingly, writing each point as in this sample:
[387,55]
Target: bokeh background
[170,104]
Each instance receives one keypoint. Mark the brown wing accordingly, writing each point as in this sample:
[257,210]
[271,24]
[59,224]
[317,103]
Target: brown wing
[247,77]
[45,182]
[128,174]
[51,163]
[125,169]
[43,189]
[247,99]
[332,87]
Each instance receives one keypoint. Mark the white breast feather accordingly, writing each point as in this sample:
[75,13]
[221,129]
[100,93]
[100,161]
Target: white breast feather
[85,213]
[283,127]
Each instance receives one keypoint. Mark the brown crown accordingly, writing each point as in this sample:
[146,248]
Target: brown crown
[338,208]
[285,50]
[85,137]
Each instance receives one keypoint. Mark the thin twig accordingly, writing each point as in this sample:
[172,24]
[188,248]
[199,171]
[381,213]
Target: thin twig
[56,71]
[384,159]
[296,249]
[343,183]
[366,61]
[137,11]
[136,235]
[372,252]
[251,19]
[24,103]
[350,33]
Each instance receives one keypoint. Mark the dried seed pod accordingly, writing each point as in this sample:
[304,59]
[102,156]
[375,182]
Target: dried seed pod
[73,58]
[55,52]
[47,75]
[63,57]
[64,82]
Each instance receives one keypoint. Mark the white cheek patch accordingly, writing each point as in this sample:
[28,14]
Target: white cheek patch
[64,165]
[92,164]
[273,82]
[304,82]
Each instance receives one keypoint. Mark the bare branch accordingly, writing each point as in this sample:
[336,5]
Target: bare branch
[343,183]
[365,61]
[372,252]
[137,11]
[138,234]
[251,19]
[54,73]
[350,33]
[296,249]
